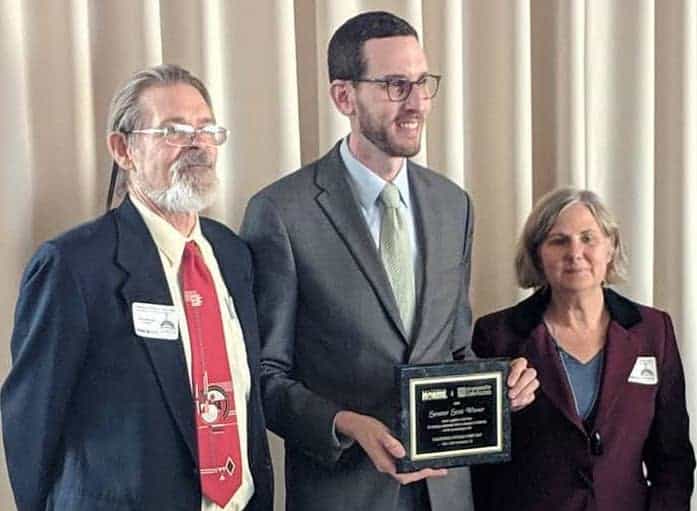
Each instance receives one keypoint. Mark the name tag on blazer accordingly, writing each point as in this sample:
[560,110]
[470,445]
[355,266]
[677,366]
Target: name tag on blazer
[644,371]
[154,321]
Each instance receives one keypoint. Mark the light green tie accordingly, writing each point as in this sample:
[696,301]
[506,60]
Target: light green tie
[395,251]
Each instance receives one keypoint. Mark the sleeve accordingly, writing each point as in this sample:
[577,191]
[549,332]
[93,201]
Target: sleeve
[48,346]
[301,417]
[480,341]
[668,454]
[463,320]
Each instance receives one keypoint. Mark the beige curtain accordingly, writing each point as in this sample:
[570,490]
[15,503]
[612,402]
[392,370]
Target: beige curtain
[536,94]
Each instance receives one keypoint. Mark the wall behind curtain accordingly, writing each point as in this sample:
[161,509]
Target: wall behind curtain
[536,94]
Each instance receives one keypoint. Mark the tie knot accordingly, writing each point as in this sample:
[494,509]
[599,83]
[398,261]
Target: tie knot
[191,249]
[390,195]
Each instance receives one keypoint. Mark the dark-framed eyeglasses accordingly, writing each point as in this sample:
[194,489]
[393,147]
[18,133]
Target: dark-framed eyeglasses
[183,135]
[399,88]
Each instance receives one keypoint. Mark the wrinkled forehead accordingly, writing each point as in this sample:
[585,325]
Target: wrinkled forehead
[179,102]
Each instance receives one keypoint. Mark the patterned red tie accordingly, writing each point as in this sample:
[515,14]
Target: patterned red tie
[219,459]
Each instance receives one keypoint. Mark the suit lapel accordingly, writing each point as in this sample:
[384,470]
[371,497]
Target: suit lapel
[146,282]
[621,352]
[338,203]
[428,222]
[620,355]
[542,355]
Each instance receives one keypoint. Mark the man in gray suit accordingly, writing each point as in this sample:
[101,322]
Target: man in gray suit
[362,262]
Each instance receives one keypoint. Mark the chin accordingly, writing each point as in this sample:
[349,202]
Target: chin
[409,153]
[405,151]
[184,199]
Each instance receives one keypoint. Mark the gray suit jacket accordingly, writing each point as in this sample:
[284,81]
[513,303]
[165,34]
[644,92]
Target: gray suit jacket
[331,332]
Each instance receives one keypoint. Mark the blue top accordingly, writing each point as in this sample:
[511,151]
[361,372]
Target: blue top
[584,380]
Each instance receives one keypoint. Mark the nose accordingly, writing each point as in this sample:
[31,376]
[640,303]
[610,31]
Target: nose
[575,249]
[417,100]
[194,139]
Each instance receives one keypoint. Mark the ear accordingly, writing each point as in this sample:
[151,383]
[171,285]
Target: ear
[343,96]
[118,148]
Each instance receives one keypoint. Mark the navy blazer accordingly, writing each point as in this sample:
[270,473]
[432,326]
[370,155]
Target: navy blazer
[95,417]
[561,463]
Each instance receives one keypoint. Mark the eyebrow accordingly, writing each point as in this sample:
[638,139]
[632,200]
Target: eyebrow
[181,120]
[585,231]
[403,77]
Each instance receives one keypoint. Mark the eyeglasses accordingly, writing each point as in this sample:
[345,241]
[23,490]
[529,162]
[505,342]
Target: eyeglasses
[399,89]
[183,135]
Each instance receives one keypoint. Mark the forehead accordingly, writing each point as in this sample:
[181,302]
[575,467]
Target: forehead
[178,102]
[401,55]
[575,217]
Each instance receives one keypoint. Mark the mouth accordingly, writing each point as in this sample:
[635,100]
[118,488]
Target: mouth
[575,270]
[410,127]
[198,166]
[194,165]
[412,124]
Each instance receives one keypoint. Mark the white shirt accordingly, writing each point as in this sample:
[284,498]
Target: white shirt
[170,245]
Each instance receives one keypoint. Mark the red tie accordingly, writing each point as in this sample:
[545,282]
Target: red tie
[219,459]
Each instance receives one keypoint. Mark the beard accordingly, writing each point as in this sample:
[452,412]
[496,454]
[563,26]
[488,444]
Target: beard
[193,184]
[380,137]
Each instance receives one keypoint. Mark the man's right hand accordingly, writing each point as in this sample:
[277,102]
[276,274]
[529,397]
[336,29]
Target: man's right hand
[379,444]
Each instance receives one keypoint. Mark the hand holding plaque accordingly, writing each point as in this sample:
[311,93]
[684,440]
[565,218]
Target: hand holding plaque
[454,414]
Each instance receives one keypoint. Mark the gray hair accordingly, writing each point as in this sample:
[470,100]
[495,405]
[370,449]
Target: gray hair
[125,112]
[541,220]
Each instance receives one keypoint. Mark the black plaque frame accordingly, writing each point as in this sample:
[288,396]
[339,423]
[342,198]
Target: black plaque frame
[462,390]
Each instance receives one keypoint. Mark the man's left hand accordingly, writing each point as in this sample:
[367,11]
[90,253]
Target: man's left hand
[522,384]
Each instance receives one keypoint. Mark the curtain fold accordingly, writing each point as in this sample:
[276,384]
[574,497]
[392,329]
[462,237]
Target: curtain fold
[675,174]
[498,75]
[535,94]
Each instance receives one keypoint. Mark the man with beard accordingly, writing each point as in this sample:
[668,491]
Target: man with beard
[362,262]
[135,348]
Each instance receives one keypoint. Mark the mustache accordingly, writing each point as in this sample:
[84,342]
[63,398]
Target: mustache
[193,158]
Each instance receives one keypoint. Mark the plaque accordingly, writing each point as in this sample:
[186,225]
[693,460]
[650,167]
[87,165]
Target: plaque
[454,414]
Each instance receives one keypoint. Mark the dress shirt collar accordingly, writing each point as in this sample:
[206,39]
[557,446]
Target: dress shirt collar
[167,239]
[367,185]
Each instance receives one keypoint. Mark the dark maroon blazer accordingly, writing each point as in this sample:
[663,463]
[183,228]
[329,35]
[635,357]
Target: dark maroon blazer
[560,463]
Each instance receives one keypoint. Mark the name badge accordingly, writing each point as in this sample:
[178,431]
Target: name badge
[155,321]
[644,371]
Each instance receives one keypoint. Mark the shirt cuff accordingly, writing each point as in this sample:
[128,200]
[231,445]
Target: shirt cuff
[340,440]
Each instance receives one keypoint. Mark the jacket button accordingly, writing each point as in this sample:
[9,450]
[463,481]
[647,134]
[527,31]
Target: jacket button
[596,444]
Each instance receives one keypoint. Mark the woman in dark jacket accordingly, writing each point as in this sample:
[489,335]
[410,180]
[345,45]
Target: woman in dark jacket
[608,430]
